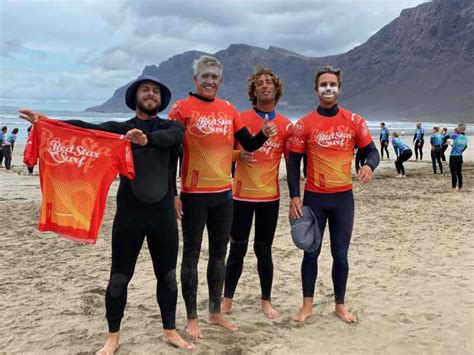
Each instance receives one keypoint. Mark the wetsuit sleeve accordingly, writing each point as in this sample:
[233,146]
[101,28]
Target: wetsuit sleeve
[369,155]
[109,126]
[294,163]
[394,144]
[422,135]
[431,140]
[380,136]
[171,136]
[247,141]
[174,171]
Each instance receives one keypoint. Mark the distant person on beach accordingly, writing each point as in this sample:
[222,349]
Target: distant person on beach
[2,138]
[458,143]
[328,136]
[256,190]
[419,140]
[211,125]
[8,145]
[402,152]
[384,139]
[445,137]
[436,142]
[30,168]
[144,206]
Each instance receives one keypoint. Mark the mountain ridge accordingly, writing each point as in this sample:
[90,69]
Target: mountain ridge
[417,67]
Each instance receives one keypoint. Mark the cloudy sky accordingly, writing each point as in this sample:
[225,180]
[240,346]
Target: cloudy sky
[69,55]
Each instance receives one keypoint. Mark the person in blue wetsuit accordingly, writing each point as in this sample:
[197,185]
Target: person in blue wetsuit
[458,146]
[445,136]
[436,141]
[403,153]
[384,139]
[419,140]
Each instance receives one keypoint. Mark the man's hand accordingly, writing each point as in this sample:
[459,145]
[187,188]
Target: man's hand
[178,207]
[247,158]
[296,207]
[30,116]
[269,129]
[137,137]
[365,174]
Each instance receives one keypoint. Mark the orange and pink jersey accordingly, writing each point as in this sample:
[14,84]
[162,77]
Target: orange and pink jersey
[77,167]
[329,145]
[208,142]
[260,183]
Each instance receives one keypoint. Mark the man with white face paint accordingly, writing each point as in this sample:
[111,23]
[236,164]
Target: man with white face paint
[206,192]
[328,136]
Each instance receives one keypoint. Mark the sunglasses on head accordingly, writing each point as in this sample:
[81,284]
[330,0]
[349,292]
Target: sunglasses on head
[329,69]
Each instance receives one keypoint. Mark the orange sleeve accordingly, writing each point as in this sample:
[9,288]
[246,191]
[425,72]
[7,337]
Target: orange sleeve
[235,155]
[363,136]
[238,122]
[298,137]
[176,112]
[126,166]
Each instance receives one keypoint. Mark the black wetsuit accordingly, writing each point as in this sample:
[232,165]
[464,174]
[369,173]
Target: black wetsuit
[145,209]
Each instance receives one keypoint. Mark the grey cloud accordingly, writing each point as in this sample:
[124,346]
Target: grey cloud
[8,45]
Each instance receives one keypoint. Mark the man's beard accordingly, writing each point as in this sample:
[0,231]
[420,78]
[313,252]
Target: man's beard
[153,111]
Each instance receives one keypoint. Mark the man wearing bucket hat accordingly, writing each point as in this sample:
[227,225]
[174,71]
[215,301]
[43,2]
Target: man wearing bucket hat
[327,136]
[144,205]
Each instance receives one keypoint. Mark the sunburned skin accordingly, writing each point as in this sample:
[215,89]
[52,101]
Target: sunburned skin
[209,76]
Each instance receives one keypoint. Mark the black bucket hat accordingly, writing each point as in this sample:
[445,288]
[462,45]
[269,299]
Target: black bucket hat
[131,93]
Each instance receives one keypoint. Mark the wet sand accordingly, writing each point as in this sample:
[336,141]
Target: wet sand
[411,279]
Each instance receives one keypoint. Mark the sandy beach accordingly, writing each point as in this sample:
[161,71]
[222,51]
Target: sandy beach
[411,279]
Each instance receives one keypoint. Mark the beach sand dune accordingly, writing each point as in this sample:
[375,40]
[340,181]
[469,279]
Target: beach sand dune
[411,278]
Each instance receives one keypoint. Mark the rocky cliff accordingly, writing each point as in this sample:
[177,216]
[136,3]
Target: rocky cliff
[418,67]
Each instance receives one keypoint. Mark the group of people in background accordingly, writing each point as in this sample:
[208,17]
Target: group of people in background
[7,144]
[440,140]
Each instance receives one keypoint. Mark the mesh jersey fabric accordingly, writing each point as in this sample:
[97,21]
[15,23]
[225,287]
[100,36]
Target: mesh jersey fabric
[77,167]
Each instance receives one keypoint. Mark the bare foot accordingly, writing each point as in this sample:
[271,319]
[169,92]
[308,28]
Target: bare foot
[268,310]
[219,319]
[226,305]
[193,330]
[305,311]
[111,345]
[344,314]
[171,336]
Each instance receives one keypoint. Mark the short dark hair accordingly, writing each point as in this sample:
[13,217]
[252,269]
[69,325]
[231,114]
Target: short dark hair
[331,70]
[382,123]
[4,128]
[15,130]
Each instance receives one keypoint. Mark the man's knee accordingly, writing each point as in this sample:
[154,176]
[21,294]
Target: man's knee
[118,284]
[169,280]
[238,250]
[262,251]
